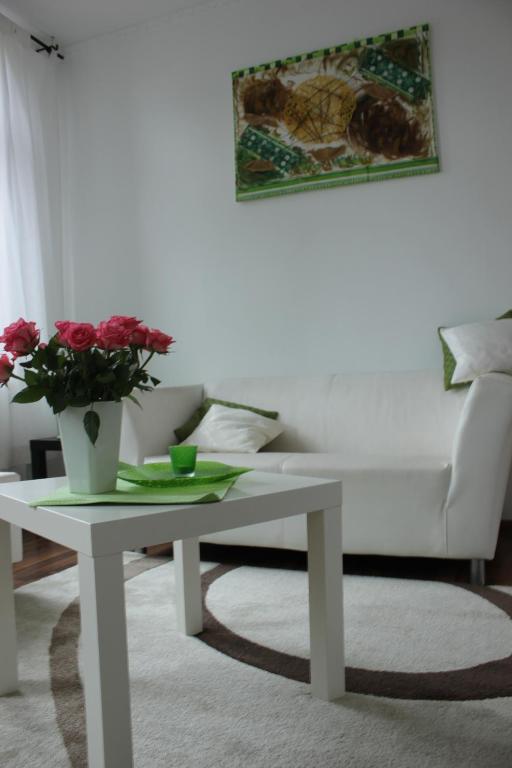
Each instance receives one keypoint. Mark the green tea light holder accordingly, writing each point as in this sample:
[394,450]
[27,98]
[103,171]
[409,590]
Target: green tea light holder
[183,459]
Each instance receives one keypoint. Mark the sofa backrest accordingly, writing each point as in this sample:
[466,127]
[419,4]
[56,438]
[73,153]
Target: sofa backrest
[399,413]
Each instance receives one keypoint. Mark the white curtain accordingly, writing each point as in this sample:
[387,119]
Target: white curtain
[30,228]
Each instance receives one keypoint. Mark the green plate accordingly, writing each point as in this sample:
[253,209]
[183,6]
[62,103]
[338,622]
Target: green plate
[160,474]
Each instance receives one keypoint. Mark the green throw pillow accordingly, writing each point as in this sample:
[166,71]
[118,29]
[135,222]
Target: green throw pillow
[188,427]
[449,363]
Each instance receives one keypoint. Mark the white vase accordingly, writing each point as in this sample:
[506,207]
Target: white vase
[91,468]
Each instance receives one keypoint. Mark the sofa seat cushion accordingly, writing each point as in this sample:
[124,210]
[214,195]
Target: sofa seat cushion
[391,505]
[339,464]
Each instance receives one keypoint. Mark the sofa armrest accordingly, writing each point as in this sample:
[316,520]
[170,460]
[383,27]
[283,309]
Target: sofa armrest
[149,431]
[482,455]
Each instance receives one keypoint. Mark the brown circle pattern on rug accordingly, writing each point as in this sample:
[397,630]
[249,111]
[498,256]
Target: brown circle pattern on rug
[490,680]
[483,681]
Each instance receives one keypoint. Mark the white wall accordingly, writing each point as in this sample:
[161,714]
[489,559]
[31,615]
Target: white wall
[353,278]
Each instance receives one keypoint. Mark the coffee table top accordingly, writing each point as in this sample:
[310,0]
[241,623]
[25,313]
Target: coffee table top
[103,529]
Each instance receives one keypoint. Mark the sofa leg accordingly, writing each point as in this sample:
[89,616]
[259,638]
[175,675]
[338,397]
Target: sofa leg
[478,572]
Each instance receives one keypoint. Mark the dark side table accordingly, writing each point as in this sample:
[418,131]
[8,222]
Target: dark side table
[38,449]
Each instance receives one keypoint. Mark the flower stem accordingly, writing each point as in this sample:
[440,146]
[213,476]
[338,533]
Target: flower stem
[143,365]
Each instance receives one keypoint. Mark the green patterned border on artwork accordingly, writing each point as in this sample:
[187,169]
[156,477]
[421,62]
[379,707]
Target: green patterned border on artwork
[340,178]
[344,48]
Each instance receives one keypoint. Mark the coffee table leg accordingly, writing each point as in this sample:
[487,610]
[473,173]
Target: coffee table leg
[105,660]
[189,606]
[9,661]
[325,567]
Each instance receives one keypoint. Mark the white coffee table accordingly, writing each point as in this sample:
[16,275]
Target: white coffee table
[100,534]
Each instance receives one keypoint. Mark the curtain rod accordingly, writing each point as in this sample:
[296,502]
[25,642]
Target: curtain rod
[48,47]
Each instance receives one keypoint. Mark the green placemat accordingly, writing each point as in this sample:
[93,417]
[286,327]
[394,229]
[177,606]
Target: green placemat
[127,493]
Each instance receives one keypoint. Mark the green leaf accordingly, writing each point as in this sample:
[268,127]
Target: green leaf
[31,379]
[92,425]
[121,372]
[106,378]
[59,402]
[134,400]
[29,395]
[155,382]
[53,343]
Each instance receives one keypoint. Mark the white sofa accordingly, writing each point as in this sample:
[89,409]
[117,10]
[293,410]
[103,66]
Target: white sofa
[16,532]
[424,471]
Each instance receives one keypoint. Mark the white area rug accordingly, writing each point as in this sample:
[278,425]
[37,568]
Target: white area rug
[195,707]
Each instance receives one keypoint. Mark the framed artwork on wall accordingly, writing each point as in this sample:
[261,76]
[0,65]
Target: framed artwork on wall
[361,111]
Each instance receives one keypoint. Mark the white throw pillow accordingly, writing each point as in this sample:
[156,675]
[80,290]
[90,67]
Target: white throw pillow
[233,430]
[479,348]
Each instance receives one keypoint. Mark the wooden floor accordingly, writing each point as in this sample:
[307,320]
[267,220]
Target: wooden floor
[42,558]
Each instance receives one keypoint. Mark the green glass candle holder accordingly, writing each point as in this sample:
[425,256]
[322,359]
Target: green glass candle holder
[183,459]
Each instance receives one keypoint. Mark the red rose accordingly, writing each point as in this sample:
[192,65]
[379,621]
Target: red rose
[112,335]
[6,368]
[61,326]
[158,341]
[78,336]
[126,322]
[139,335]
[20,337]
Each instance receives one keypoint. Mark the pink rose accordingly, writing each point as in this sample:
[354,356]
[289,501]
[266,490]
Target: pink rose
[158,341]
[6,369]
[130,323]
[61,326]
[78,336]
[112,335]
[20,337]
[139,335]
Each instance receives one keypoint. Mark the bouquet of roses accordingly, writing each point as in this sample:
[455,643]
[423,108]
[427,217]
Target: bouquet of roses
[81,364]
